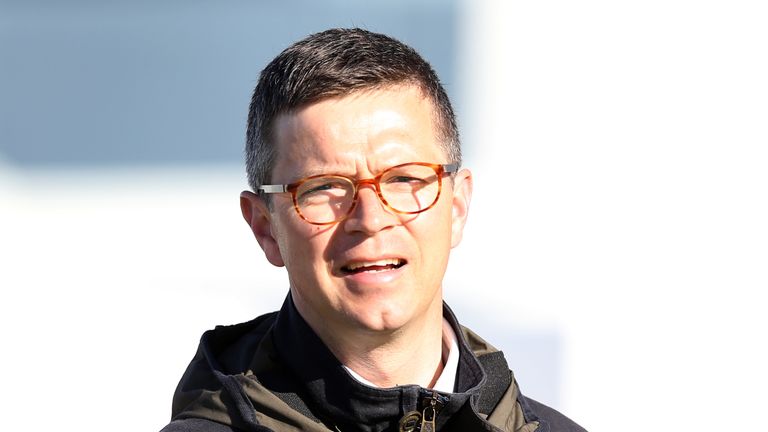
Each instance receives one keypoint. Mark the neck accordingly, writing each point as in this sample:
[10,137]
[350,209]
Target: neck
[412,354]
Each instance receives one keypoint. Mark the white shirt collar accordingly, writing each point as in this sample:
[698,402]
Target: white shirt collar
[447,379]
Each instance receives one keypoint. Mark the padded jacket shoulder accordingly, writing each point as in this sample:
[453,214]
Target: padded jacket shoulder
[239,382]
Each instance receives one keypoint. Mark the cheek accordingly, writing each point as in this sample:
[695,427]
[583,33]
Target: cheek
[434,236]
[303,248]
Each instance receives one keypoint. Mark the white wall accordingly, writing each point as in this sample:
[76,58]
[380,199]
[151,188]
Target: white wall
[622,194]
[108,279]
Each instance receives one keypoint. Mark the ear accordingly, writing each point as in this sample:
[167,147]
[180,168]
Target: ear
[257,216]
[462,195]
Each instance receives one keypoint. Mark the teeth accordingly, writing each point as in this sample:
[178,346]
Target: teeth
[379,263]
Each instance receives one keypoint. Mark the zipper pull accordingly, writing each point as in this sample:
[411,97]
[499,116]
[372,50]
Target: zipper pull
[428,418]
[424,421]
[429,413]
[409,422]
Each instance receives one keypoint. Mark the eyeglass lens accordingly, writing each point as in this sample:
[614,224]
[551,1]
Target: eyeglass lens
[405,189]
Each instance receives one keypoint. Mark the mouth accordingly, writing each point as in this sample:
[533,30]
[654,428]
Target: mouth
[381,265]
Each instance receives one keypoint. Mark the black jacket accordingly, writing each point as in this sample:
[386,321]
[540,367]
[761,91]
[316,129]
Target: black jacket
[275,374]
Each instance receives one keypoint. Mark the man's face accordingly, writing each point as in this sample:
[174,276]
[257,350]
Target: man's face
[376,270]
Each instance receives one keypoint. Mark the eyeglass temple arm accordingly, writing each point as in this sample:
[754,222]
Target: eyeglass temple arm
[451,168]
[270,189]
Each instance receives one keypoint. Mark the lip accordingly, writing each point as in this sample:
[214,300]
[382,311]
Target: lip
[372,277]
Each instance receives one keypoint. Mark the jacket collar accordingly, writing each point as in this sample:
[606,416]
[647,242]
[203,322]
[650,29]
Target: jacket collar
[341,401]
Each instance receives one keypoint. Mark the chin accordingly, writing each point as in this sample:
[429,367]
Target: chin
[380,319]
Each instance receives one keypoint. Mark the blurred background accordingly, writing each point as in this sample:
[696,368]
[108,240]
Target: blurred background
[617,248]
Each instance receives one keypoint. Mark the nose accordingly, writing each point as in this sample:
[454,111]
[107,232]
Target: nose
[370,215]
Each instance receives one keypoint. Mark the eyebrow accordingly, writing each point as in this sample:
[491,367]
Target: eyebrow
[321,171]
[331,171]
[309,173]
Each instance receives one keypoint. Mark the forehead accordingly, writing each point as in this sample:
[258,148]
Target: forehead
[364,131]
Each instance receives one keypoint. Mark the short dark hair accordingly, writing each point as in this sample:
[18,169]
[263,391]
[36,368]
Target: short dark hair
[336,63]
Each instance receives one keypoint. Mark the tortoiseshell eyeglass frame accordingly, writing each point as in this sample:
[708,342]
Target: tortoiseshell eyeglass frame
[440,170]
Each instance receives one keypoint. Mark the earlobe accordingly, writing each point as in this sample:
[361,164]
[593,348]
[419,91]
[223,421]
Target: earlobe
[462,196]
[257,216]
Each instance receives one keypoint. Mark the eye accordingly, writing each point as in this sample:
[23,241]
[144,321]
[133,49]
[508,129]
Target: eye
[405,179]
[323,188]
[320,188]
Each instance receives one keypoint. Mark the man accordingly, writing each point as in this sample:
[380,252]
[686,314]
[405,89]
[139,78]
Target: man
[354,161]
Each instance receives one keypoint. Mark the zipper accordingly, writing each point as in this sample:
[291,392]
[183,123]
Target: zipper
[430,402]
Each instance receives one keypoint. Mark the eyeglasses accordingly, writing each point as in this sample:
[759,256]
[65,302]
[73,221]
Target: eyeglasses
[324,199]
